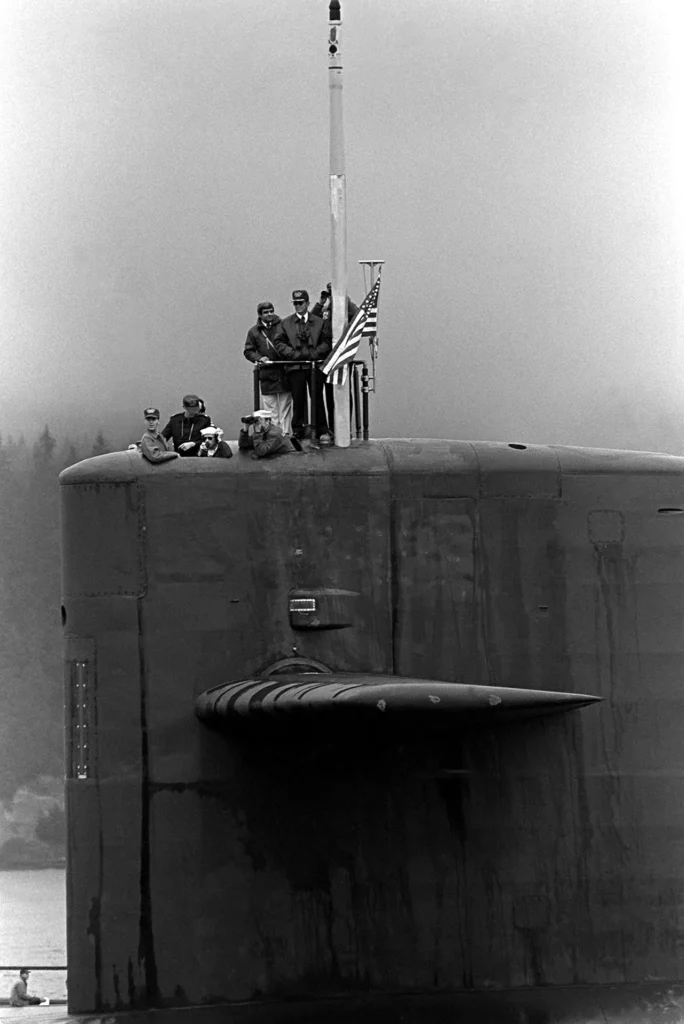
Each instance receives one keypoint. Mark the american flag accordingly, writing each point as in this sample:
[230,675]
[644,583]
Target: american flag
[364,325]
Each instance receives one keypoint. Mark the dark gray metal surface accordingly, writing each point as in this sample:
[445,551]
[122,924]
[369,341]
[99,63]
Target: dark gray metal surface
[544,856]
[376,697]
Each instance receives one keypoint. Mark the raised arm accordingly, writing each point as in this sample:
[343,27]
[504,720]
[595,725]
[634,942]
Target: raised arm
[265,445]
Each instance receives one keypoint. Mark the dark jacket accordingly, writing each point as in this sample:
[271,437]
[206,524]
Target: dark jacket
[181,429]
[156,448]
[222,452]
[259,343]
[270,441]
[310,341]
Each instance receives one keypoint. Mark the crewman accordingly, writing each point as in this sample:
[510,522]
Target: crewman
[212,446]
[305,336]
[323,308]
[263,436]
[184,427]
[153,444]
[274,383]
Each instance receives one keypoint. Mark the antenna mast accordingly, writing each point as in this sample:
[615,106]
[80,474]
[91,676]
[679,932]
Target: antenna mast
[338,213]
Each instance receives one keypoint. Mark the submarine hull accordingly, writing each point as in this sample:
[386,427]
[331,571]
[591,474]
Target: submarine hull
[279,868]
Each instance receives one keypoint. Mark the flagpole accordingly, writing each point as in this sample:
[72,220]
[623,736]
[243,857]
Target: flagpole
[338,215]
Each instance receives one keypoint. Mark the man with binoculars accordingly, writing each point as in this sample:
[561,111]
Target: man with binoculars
[263,437]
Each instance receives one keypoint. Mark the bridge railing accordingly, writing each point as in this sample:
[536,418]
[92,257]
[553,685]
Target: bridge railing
[358,385]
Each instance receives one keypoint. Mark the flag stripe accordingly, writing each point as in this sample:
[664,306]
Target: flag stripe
[364,325]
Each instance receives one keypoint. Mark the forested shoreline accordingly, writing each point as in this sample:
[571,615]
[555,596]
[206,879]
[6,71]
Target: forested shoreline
[32,723]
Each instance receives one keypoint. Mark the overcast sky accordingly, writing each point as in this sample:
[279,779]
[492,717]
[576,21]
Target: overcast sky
[517,163]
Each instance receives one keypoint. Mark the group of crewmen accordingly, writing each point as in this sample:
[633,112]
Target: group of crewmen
[192,434]
[283,421]
[304,335]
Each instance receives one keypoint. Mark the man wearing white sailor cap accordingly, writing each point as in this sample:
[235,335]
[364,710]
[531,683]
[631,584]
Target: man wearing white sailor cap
[212,446]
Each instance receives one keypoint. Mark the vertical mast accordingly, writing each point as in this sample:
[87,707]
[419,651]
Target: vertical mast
[338,212]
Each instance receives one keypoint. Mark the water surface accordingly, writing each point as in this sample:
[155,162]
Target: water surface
[33,928]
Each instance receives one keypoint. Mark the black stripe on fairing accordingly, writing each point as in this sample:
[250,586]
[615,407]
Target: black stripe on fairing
[146,954]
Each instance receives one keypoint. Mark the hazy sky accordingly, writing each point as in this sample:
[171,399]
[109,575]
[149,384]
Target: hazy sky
[517,163]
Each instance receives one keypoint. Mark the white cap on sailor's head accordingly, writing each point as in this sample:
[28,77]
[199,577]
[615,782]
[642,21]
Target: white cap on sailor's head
[211,432]
[262,414]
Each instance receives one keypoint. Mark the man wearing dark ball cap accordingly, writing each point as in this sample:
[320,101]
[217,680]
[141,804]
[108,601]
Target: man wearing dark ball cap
[305,336]
[185,428]
[153,444]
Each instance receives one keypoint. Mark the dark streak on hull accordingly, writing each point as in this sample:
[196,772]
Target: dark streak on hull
[146,954]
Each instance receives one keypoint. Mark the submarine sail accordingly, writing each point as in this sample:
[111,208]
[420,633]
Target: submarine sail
[526,862]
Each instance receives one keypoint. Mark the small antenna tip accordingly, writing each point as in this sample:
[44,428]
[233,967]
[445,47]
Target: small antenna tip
[334,10]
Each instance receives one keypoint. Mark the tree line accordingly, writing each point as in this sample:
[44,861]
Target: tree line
[32,720]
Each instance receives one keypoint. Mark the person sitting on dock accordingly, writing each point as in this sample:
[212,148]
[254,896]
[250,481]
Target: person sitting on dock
[264,437]
[19,995]
[305,336]
[273,381]
[213,447]
[153,444]
[184,427]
